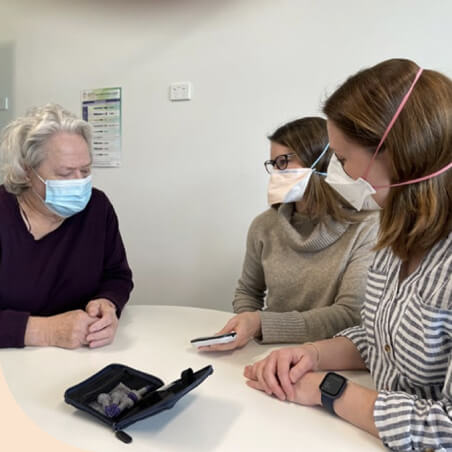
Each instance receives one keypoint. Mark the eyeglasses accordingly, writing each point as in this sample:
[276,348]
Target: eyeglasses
[280,163]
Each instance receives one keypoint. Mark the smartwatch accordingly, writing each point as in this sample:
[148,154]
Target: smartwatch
[331,388]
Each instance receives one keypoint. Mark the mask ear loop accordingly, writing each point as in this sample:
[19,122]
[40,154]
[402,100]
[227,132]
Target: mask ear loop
[393,120]
[39,177]
[318,159]
[419,179]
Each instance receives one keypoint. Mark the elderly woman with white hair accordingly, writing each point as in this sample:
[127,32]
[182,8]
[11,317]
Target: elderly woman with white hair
[64,276]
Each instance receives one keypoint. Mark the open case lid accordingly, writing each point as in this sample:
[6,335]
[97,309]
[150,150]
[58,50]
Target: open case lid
[158,398]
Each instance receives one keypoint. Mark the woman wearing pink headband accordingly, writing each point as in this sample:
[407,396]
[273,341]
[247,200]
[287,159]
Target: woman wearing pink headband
[390,127]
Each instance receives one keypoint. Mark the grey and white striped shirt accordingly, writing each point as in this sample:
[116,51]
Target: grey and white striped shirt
[405,338]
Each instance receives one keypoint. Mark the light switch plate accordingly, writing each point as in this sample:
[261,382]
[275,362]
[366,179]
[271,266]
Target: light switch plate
[180,91]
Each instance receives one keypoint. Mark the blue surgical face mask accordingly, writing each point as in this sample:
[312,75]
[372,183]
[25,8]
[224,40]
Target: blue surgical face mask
[66,197]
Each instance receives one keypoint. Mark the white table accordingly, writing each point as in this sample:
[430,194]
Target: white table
[222,414]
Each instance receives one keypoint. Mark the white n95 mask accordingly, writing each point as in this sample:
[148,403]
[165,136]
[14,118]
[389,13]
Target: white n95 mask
[358,192]
[288,185]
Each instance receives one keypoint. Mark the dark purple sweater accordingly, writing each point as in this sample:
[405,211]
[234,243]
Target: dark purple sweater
[82,260]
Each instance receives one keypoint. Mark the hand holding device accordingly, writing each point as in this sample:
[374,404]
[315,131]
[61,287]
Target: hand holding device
[247,325]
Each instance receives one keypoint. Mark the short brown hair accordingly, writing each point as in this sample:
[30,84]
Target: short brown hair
[415,216]
[307,137]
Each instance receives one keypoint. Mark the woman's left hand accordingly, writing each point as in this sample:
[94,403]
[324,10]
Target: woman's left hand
[278,373]
[305,391]
[101,332]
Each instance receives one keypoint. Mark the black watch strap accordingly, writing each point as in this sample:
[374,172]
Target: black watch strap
[328,403]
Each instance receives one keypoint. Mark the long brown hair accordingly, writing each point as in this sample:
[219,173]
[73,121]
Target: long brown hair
[307,137]
[415,216]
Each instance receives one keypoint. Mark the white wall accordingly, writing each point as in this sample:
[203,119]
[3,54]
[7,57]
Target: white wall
[192,174]
[6,80]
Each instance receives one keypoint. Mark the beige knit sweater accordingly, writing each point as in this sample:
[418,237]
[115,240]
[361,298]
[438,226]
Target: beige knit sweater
[312,276]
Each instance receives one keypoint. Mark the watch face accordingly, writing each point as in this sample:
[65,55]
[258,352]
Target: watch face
[332,384]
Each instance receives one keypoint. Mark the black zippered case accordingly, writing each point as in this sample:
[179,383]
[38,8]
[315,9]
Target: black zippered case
[157,399]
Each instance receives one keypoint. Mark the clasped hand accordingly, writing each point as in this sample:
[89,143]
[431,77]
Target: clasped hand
[94,327]
[289,374]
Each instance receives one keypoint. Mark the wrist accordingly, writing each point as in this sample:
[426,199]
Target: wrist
[37,332]
[317,379]
[257,324]
[317,352]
